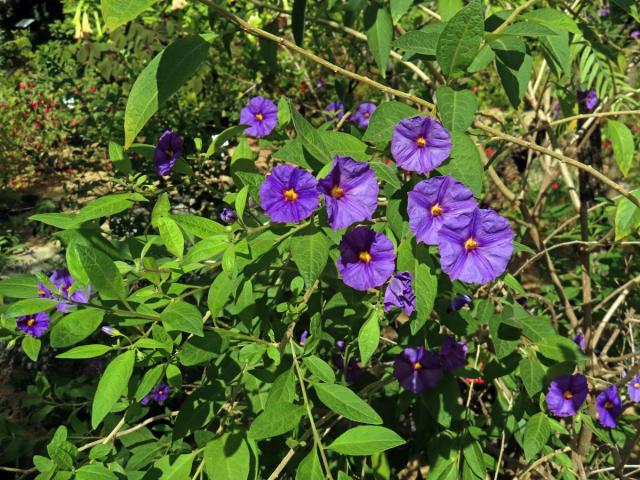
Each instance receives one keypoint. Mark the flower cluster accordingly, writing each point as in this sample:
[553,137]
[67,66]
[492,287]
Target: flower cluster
[418,369]
[62,281]
[567,393]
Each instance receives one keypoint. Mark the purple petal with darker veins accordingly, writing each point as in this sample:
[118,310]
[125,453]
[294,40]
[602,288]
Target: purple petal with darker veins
[420,144]
[366,260]
[289,194]
[260,115]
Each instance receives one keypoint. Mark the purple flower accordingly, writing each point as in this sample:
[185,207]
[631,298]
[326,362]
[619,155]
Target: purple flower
[289,194]
[227,215]
[350,192]
[420,144]
[145,400]
[108,330]
[567,394]
[609,407]
[400,294]
[34,325]
[261,115]
[458,302]
[63,281]
[354,370]
[634,389]
[362,114]
[303,337]
[453,355]
[168,150]
[320,84]
[160,393]
[591,101]
[335,110]
[366,258]
[417,369]
[579,340]
[434,200]
[475,247]
[635,34]
[340,345]
[603,12]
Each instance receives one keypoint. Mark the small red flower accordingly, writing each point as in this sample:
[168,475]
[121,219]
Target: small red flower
[31,85]
[490,152]
[93,89]
[304,87]
[23,85]
[476,381]
[554,185]
[74,123]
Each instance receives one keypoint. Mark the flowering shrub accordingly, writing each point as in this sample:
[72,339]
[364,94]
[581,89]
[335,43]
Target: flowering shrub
[394,287]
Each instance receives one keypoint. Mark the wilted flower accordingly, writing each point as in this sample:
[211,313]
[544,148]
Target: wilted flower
[420,144]
[634,389]
[168,150]
[261,115]
[303,337]
[366,258]
[350,192]
[453,355]
[335,110]
[400,294]
[34,325]
[458,302]
[362,114]
[475,247]
[434,200]
[145,400]
[609,407]
[160,393]
[579,339]
[227,215]
[417,369]
[289,194]
[567,394]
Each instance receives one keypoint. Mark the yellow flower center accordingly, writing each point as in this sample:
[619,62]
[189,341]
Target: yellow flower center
[417,366]
[365,114]
[41,292]
[470,245]
[168,152]
[421,142]
[337,192]
[31,322]
[259,117]
[608,405]
[365,257]
[290,195]
[636,385]
[568,395]
[436,210]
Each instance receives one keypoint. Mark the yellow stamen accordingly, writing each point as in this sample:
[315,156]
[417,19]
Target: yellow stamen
[436,210]
[31,322]
[41,292]
[365,114]
[608,405]
[259,117]
[365,257]
[290,195]
[417,366]
[421,142]
[568,395]
[337,192]
[636,385]
[470,245]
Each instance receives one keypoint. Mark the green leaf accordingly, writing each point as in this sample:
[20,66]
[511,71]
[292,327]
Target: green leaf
[171,236]
[227,457]
[419,41]
[95,471]
[75,327]
[485,57]
[309,468]
[182,316]
[627,216]
[399,8]
[448,8]
[162,209]
[19,286]
[457,108]
[425,286]
[557,52]
[29,307]
[553,18]
[119,12]
[514,65]
[532,374]
[58,220]
[384,120]
[379,30]
[369,336]
[219,293]
[387,174]
[61,451]
[275,420]
[200,350]
[366,440]
[536,434]
[102,272]
[474,459]
[112,385]
[460,40]
[527,29]
[85,351]
[180,469]
[241,201]
[283,389]
[465,163]
[343,144]
[505,337]
[206,249]
[310,252]
[160,79]
[319,368]
[345,402]
[31,347]
[107,206]
[623,146]
[560,348]
[223,137]
[150,380]
[310,138]
[297,20]
[121,162]
[74,264]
